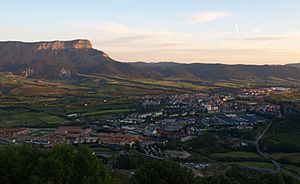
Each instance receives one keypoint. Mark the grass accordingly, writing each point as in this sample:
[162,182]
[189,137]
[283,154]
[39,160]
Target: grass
[11,118]
[132,86]
[289,138]
[104,112]
[236,154]
[291,170]
[293,167]
[262,165]
[104,150]
[53,120]
[283,136]
[290,157]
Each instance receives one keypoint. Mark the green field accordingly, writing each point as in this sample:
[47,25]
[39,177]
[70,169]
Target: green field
[53,120]
[290,157]
[105,112]
[292,139]
[236,154]
[293,168]
[11,118]
[262,165]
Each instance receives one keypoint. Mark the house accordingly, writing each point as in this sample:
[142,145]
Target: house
[119,139]
[73,134]
[211,108]
[11,132]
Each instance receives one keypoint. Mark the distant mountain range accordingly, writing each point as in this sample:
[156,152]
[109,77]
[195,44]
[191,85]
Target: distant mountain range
[297,65]
[63,59]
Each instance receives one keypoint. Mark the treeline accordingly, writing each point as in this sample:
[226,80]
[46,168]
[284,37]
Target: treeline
[66,164]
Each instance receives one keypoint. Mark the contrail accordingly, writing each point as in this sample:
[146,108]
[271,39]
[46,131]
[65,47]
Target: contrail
[237,31]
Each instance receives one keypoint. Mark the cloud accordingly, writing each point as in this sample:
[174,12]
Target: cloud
[127,42]
[218,55]
[133,43]
[128,39]
[202,17]
[257,29]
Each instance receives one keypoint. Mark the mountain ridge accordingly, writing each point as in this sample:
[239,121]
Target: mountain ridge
[58,58]
[64,59]
[297,65]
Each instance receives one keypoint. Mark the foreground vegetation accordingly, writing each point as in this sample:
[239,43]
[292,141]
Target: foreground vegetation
[65,164]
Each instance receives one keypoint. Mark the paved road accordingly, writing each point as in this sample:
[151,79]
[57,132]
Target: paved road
[276,164]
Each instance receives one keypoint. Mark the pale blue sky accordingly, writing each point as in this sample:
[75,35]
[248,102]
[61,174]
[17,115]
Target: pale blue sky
[226,31]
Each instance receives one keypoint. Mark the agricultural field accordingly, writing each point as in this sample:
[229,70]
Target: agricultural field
[131,86]
[261,165]
[19,86]
[11,118]
[236,155]
[287,157]
[105,112]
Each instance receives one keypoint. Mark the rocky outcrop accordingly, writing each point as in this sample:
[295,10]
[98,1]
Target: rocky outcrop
[58,45]
[28,72]
[64,72]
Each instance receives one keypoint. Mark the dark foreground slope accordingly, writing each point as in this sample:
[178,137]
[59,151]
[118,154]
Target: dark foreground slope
[66,164]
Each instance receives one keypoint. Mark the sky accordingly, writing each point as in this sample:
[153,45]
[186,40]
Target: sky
[186,31]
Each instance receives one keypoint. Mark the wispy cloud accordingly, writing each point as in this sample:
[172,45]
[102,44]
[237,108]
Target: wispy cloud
[133,43]
[126,42]
[201,17]
[125,38]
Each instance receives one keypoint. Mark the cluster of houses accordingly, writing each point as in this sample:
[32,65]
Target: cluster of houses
[11,132]
[270,110]
[66,134]
[120,139]
[260,93]
[239,120]
[46,137]
[194,166]
[233,120]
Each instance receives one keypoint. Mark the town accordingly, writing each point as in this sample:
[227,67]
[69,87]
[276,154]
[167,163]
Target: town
[159,120]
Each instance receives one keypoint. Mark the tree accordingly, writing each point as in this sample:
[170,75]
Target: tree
[67,164]
[49,171]
[29,158]
[63,164]
[126,161]
[10,167]
[163,172]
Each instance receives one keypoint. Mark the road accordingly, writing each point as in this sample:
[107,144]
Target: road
[276,164]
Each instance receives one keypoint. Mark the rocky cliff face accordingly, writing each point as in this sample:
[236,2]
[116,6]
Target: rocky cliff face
[59,59]
[59,45]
